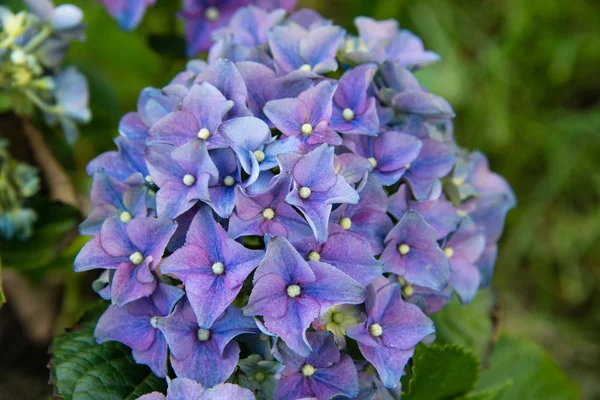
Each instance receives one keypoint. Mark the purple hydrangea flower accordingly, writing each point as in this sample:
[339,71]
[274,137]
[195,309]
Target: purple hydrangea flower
[111,197]
[306,117]
[353,110]
[129,13]
[134,324]
[222,191]
[268,213]
[390,153]
[345,252]
[391,330]
[439,213]
[404,93]
[463,249]
[124,163]
[183,175]
[202,111]
[367,220]
[316,187]
[312,51]
[413,253]
[187,389]
[211,265]
[290,293]
[323,374]
[383,41]
[133,249]
[206,354]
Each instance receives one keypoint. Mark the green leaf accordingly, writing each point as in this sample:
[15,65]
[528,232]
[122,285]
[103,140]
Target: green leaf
[467,325]
[83,370]
[495,393]
[441,372]
[533,373]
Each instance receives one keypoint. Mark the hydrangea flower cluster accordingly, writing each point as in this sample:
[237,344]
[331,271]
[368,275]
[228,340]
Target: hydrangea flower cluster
[297,191]
[18,182]
[32,49]
[207,19]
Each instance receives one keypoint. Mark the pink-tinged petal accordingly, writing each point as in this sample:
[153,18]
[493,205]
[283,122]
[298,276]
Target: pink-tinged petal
[319,47]
[464,278]
[339,379]
[288,115]
[131,282]
[92,256]
[333,287]
[176,128]
[318,102]
[268,297]
[155,356]
[389,363]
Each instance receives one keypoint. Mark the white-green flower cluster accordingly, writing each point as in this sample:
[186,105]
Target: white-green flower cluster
[18,182]
[33,45]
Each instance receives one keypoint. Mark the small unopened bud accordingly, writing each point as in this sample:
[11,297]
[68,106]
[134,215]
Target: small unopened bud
[268,213]
[189,180]
[304,192]
[136,258]
[259,155]
[18,57]
[125,217]
[203,334]
[337,318]
[204,134]
[293,291]
[314,256]
[307,129]
[375,330]
[259,376]
[373,162]
[408,290]
[449,251]
[348,114]
[229,181]
[404,249]
[308,370]
[346,223]
[212,14]
[218,268]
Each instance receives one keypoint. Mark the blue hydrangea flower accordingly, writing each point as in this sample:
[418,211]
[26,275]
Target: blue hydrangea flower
[206,354]
[391,330]
[324,374]
[290,293]
[188,389]
[211,265]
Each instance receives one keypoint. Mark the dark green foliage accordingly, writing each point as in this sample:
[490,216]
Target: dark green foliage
[83,370]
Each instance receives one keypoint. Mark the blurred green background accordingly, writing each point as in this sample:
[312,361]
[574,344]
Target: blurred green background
[523,77]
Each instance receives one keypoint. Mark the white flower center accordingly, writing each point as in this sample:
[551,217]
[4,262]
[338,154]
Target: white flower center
[375,330]
[373,162]
[153,322]
[408,290]
[449,251]
[212,13]
[189,180]
[218,268]
[149,179]
[229,181]
[308,370]
[136,258]
[348,114]
[404,249]
[268,213]
[18,57]
[407,166]
[204,134]
[305,68]
[304,192]
[203,334]
[314,256]
[125,217]
[293,291]
[346,223]
[307,129]
[259,155]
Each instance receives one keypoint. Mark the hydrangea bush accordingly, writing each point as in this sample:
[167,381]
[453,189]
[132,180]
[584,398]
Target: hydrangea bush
[32,49]
[295,206]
